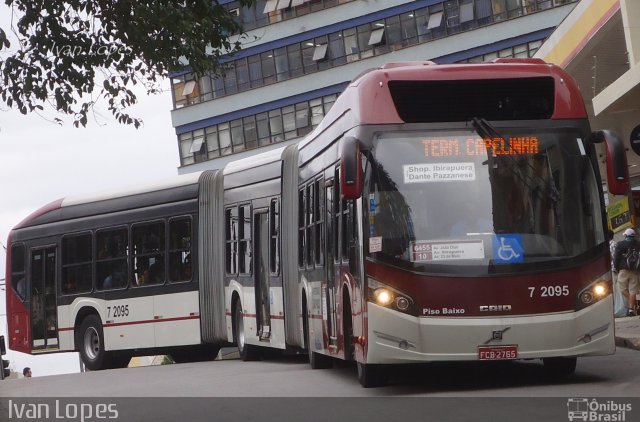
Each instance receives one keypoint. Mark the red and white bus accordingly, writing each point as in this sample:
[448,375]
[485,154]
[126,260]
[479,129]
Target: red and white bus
[437,213]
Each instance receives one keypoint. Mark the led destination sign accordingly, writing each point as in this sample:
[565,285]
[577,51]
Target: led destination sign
[470,147]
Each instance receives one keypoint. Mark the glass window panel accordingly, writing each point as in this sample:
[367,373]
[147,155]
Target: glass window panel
[308,50]
[263,125]
[351,44]
[364,33]
[270,6]
[376,37]
[320,52]
[295,60]
[435,20]
[111,265]
[288,118]
[250,132]
[224,136]
[255,71]
[275,122]
[282,63]
[242,74]
[268,67]
[212,142]
[196,145]
[237,135]
[180,268]
[336,47]
[466,11]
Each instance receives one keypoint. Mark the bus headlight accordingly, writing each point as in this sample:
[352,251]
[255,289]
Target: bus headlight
[383,296]
[391,298]
[594,292]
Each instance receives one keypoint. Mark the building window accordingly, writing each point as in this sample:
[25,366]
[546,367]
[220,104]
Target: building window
[77,264]
[352,44]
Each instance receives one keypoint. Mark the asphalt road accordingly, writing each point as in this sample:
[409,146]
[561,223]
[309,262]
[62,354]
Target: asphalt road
[276,384]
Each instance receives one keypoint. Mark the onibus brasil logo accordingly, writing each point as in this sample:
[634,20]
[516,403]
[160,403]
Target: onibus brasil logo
[595,411]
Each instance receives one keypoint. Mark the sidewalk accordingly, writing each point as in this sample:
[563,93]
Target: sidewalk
[628,332]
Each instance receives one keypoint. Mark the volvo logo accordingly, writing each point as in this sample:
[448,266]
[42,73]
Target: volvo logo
[497,335]
[494,308]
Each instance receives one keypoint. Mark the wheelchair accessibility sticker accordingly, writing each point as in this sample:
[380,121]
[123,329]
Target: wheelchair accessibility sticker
[507,249]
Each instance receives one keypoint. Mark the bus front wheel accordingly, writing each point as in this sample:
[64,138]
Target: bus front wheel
[90,342]
[371,375]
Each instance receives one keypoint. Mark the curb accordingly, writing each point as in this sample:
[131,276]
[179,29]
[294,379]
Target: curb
[629,343]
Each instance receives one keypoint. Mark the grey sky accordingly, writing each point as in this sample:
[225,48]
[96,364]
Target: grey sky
[41,162]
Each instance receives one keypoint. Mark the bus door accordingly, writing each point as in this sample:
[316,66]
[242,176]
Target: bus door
[44,320]
[330,296]
[261,273]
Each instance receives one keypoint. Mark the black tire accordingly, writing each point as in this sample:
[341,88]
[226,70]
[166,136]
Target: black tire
[316,360]
[116,361]
[347,323]
[247,352]
[371,375]
[90,343]
[560,367]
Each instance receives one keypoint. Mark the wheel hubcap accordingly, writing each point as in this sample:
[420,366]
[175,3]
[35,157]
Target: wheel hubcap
[91,343]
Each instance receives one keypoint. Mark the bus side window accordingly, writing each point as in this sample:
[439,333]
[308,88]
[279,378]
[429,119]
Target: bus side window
[301,227]
[148,247]
[274,234]
[77,263]
[112,260]
[180,259]
[231,240]
[18,276]
[244,255]
[318,211]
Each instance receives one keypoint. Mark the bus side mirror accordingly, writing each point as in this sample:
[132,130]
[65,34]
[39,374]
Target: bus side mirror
[616,159]
[351,169]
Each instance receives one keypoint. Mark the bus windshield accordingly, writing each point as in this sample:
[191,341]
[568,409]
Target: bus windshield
[455,202]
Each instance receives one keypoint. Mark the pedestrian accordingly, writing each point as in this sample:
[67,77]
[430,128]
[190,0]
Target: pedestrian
[26,372]
[626,262]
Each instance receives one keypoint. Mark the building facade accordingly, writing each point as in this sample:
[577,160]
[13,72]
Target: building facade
[298,56]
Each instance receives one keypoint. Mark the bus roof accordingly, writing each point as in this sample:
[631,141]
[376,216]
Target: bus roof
[420,92]
[112,200]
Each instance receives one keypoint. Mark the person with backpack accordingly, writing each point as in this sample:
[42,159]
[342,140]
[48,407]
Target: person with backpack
[626,262]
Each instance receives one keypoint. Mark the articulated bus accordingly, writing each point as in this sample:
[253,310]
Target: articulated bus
[437,213]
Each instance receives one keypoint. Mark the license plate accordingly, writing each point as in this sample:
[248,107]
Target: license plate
[497,352]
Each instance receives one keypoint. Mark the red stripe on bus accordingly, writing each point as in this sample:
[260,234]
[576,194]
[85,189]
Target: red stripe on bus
[117,324]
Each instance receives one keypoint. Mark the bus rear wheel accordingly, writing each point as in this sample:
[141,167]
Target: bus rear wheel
[246,351]
[560,367]
[90,343]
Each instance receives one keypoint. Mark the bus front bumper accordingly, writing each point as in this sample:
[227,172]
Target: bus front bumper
[394,337]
